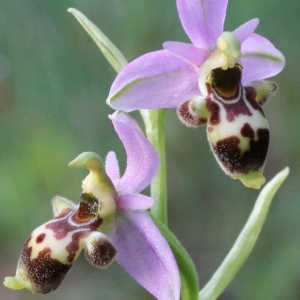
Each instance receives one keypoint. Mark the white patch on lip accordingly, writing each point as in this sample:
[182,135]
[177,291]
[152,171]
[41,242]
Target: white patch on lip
[225,129]
[57,246]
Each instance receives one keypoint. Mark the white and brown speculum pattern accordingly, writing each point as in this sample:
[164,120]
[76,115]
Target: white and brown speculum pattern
[52,248]
[237,130]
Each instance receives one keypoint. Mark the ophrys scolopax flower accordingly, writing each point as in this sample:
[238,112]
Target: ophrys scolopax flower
[109,223]
[218,80]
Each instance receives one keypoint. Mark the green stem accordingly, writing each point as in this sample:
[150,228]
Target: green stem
[154,123]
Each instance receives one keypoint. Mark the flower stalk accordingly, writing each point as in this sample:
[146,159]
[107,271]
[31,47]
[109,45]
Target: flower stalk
[154,123]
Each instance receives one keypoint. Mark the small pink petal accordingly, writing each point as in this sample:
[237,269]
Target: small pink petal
[244,31]
[112,168]
[129,202]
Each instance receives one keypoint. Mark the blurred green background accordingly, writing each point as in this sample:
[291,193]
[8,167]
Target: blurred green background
[53,87]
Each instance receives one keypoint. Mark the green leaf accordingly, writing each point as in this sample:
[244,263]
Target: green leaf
[188,273]
[245,241]
[109,50]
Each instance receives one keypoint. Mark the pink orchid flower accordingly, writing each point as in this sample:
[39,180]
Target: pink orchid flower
[109,223]
[218,80]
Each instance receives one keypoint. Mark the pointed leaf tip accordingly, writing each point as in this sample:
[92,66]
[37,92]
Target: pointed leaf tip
[109,50]
[72,10]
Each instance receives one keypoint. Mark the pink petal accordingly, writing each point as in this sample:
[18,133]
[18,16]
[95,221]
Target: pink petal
[145,254]
[112,168]
[189,53]
[129,202]
[142,159]
[260,59]
[202,21]
[244,31]
[154,80]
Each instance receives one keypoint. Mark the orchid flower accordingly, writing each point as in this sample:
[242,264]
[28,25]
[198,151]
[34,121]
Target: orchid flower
[109,223]
[217,80]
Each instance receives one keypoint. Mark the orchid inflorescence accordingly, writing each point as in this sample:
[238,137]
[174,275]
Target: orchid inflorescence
[215,82]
